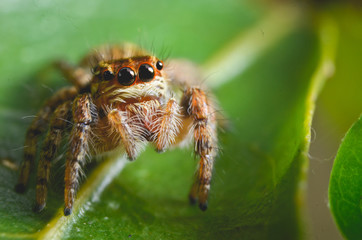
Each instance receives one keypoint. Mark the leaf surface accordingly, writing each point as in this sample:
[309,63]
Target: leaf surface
[345,186]
[255,189]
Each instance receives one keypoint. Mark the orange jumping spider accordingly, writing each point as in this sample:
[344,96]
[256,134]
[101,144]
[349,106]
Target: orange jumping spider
[121,97]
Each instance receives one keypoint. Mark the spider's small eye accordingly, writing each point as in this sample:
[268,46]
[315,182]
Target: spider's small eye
[108,75]
[146,72]
[126,76]
[95,70]
[159,65]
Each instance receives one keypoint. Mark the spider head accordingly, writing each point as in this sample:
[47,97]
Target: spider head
[134,78]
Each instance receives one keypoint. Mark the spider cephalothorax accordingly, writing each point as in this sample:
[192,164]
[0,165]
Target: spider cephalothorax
[122,98]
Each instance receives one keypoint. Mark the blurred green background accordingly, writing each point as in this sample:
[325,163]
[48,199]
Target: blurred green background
[259,57]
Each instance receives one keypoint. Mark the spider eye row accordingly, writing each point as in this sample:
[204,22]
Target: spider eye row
[126,76]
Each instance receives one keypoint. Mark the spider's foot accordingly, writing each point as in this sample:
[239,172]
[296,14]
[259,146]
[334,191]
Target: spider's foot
[38,207]
[160,150]
[192,200]
[20,188]
[203,206]
[67,211]
[131,157]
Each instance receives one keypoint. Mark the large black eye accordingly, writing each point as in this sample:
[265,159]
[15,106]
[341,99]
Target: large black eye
[146,72]
[108,75]
[126,76]
[159,65]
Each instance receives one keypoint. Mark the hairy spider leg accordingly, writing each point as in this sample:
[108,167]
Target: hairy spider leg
[169,126]
[199,107]
[79,137]
[58,123]
[118,121]
[37,127]
[78,76]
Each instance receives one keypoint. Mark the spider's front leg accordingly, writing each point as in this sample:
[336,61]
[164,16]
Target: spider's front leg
[79,137]
[118,121]
[199,107]
[170,124]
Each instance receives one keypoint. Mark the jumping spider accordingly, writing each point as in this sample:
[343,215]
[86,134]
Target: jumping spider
[122,97]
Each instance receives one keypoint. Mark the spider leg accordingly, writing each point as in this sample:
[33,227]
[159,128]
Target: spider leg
[78,76]
[117,119]
[169,125]
[183,72]
[200,108]
[79,137]
[57,124]
[37,127]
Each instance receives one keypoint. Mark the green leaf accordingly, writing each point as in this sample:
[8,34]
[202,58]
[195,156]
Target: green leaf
[338,107]
[274,68]
[345,186]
